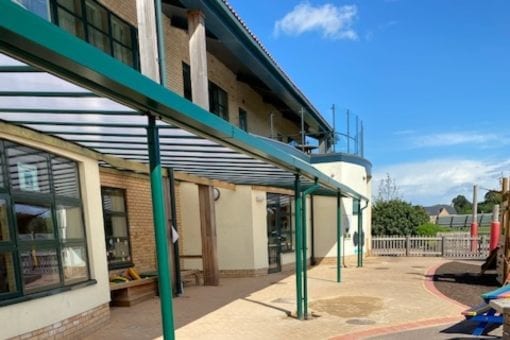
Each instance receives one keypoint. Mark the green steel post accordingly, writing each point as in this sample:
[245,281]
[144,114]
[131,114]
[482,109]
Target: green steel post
[303,254]
[304,246]
[360,237]
[338,238]
[158,210]
[298,217]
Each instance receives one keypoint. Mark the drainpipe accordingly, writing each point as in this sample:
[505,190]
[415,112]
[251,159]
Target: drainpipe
[312,231]
[338,237]
[173,210]
[360,231]
[161,43]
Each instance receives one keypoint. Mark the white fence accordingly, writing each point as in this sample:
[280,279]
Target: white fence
[446,246]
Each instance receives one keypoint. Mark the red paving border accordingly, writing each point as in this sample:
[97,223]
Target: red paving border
[428,284]
[431,288]
[398,328]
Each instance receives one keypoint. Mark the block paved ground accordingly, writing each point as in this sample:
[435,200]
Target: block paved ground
[388,294]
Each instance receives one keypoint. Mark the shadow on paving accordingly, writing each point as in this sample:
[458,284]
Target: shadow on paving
[199,301]
[143,321]
[461,330]
[462,281]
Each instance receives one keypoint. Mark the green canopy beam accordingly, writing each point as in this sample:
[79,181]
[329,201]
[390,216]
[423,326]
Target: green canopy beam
[35,41]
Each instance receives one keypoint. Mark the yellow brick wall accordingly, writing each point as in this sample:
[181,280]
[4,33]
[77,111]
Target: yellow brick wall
[240,95]
[139,207]
[75,327]
[126,9]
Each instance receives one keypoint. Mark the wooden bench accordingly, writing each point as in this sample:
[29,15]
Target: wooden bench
[126,294]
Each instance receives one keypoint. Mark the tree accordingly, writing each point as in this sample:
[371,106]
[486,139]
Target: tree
[396,217]
[388,190]
[491,198]
[462,205]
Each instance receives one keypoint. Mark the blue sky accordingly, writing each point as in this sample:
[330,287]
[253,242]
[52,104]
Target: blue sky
[430,79]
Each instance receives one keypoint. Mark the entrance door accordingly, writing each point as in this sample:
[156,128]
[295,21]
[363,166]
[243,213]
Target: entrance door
[279,229]
[273,234]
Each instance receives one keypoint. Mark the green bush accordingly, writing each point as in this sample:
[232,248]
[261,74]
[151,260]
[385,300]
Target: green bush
[396,217]
[430,229]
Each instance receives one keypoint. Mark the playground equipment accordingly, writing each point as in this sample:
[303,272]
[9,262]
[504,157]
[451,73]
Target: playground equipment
[484,314]
[503,259]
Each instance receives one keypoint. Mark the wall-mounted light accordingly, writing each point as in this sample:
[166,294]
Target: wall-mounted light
[216,194]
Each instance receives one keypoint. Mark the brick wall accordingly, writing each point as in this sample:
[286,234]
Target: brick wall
[240,94]
[139,208]
[126,9]
[72,328]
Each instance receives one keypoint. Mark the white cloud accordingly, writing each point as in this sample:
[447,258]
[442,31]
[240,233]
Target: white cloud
[333,22]
[480,139]
[440,180]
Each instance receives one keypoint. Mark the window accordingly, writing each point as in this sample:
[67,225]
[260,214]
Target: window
[42,234]
[90,21]
[118,247]
[355,206]
[186,81]
[243,120]
[218,101]
[39,7]
[281,220]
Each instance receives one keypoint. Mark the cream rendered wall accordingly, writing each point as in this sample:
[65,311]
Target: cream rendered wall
[38,313]
[356,177]
[234,229]
[259,229]
[191,241]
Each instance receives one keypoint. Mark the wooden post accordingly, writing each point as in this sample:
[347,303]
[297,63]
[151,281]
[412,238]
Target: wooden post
[443,246]
[208,228]
[474,221]
[147,38]
[408,245]
[198,59]
[506,226]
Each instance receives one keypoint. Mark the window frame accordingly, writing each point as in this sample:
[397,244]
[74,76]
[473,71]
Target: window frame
[289,247]
[86,24]
[187,91]
[16,246]
[214,101]
[125,214]
[243,119]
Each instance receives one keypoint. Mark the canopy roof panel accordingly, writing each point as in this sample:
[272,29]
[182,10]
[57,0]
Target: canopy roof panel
[192,140]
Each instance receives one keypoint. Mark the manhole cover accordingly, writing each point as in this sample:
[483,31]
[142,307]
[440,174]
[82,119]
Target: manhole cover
[360,322]
[348,306]
[381,268]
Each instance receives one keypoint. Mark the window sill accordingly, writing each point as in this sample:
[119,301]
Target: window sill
[55,291]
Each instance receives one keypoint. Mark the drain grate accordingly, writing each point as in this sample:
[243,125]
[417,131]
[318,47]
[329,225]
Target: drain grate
[360,322]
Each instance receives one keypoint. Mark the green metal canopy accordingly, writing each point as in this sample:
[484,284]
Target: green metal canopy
[192,140]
